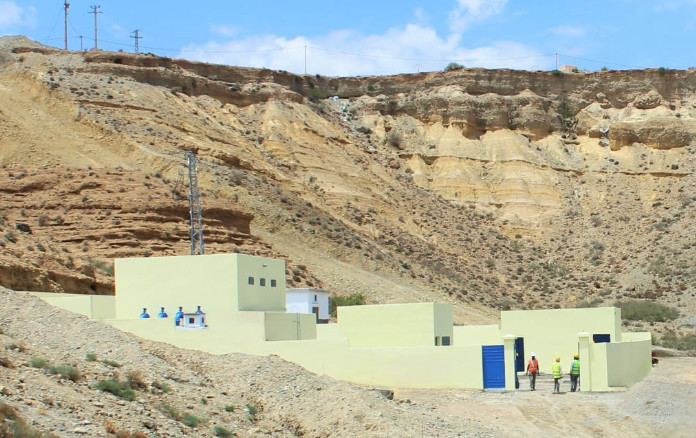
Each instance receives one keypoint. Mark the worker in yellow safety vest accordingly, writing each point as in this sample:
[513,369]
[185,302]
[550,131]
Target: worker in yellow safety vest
[557,374]
[574,372]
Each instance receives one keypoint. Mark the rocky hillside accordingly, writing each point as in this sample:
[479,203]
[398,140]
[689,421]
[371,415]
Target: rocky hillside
[487,189]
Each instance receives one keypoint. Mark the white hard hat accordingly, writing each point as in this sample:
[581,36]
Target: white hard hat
[533,354]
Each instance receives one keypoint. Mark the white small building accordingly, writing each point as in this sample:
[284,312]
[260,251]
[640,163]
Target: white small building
[308,300]
[193,321]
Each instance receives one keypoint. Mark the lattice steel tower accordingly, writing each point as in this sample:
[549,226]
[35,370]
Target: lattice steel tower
[196,219]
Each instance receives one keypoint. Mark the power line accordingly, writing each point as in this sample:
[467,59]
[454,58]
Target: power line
[603,62]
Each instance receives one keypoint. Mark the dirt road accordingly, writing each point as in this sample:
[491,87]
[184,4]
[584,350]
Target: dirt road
[661,405]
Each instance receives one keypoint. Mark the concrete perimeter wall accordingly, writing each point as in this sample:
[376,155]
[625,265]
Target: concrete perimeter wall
[91,306]
[402,367]
[395,325]
[628,362]
[477,335]
[554,332]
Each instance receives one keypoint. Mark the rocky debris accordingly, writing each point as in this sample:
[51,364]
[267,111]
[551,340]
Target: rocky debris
[650,100]
[184,393]
[63,227]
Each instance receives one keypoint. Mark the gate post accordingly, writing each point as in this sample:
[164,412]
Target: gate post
[585,361]
[510,369]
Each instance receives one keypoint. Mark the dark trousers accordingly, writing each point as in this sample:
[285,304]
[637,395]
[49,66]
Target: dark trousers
[556,384]
[574,382]
[532,380]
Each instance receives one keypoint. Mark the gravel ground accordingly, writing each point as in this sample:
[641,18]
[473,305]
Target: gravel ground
[252,396]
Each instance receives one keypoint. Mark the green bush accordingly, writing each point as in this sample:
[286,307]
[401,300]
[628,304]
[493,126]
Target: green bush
[672,340]
[163,387]
[190,420]
[171,412]
[117,388]
[355,299]
[38,362]
[221,431]
[453,66]
[65,372]
[251,410]
[637,310]
[229,408]
[111,363]
[91,357]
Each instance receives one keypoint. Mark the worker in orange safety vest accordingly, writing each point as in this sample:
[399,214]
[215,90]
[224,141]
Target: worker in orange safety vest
[532,371]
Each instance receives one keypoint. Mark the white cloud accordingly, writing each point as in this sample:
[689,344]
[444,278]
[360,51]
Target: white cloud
[574,31]
[404,49]
[469,12]
[347,53]
[226,31]
[11,14]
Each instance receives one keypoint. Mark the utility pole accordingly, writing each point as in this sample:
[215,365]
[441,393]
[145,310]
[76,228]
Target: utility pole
[196,224]
[136,37]
[556,60]
[95,11]
[67,6]
[81,39]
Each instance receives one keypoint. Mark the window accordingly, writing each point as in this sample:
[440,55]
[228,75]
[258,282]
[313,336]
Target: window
[445,340]
[273,283]
[315,298]
[251,281]
[191,320]
[262,281]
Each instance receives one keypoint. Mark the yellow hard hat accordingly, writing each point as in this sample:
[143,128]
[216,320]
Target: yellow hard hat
[558,358]
[576,355]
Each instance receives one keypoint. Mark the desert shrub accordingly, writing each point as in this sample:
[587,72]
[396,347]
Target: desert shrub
[111,363]
[453,66]
[661,71]
[91,357]
[556,72]
[117,388]
[229,408]
[394,140]
[221,431]
[38,362]
[171,412]
[10,236]
[65,372]
[191,420]
[251,410]
[683,342]
[637,310]
[355,299]
[134,379]
[13,426]
[161,386]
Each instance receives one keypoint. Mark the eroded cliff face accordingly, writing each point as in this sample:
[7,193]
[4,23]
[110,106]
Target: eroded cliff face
[483,188]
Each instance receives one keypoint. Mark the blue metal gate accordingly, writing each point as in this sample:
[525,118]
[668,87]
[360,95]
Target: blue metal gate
[493,366]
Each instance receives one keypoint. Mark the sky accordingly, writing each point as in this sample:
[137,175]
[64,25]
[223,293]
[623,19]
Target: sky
[377,37]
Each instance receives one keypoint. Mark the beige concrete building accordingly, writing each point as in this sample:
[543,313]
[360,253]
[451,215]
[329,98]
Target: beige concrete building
[401,345]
